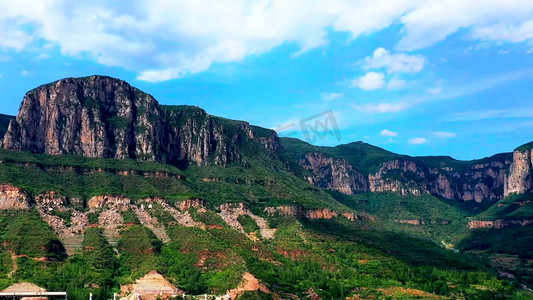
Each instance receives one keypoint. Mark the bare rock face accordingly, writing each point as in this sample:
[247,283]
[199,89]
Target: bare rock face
[285,210]
[12,197]
[410,221]
[185,205]
[479,181]
[105,117]
[51,199]
[92,117]
[109,201]
[334,174]
[298,211]
[498,223]
[520,179]
[320,214]
[400,176]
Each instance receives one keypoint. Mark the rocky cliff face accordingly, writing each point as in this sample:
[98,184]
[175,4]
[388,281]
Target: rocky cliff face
[498,223]
[334,174]
[479,181]
[298,211]
[105,117]
[520,178]
[12,197]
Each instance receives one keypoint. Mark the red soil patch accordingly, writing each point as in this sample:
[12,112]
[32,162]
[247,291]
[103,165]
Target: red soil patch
[214,227]
[249,283]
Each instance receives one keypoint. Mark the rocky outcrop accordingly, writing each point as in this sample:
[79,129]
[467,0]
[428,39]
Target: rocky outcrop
[520,178]
[498,223]
[109,201]
[334,174]
[478,181]
[410,221]
[399,176]
[12,197]
[51,199]
[187,204]
[298,211]
[105,117]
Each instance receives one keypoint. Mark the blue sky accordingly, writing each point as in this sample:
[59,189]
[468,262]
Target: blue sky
[415,77]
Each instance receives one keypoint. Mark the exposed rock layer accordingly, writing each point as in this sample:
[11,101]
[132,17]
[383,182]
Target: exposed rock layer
[312,214]
[12,197]
[498,223]
[105,117]
[334,174]
[520,179]
[479,181]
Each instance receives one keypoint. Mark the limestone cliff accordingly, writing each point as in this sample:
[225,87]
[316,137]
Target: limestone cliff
[106,117]
[334,174]
[463,181]
[520,178]
[478,181]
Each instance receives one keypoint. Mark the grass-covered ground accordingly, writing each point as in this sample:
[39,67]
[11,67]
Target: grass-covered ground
[439,221]
[334,258]
[264,182]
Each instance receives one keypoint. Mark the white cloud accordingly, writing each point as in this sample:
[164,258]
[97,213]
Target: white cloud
[436,90]
[445,134]
[494,21]
[42,56]
[331,96]
[395,84]
[504,32]
[164,39]
[381,107]
[504,52]
[24,73]
[386,132]
[418,141]
[370,81]
[394,63]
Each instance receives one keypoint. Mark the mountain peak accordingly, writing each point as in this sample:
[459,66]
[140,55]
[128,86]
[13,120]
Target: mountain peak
[101,116]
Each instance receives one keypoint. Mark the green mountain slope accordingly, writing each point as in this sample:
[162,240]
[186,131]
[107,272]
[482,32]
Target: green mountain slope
[334,258]
[363,156]
[149,197]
